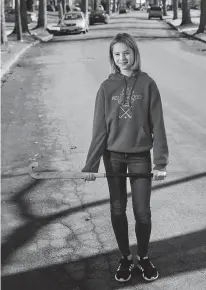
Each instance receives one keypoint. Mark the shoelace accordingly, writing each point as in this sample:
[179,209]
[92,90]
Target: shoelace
[124,263]
[148,266]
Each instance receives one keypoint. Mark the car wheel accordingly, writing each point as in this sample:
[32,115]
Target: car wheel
[148,17]
[161,18]
[84,32]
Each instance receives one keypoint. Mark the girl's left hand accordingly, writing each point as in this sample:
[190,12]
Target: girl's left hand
[159,175]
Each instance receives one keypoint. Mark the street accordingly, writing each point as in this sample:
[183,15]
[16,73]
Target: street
[57,234]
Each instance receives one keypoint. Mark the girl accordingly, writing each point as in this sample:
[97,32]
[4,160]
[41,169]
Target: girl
[128,123]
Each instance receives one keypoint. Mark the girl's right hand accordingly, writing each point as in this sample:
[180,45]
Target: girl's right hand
[90,177]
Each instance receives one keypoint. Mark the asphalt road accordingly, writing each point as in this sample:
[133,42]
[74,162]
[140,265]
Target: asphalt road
[57,234]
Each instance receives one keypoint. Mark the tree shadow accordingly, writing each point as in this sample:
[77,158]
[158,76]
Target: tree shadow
[130,27]
[33,223]
[58,39]
[172,256]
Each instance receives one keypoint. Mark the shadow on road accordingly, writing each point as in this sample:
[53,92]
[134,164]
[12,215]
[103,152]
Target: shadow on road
[58,39]
[34,223]
[172,256]
[131,27]
[129,17]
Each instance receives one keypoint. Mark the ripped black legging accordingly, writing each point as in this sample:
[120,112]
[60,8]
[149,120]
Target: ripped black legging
[141,192]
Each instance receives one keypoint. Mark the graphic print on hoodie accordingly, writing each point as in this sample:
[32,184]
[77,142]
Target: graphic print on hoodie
[126,108]
[128,118]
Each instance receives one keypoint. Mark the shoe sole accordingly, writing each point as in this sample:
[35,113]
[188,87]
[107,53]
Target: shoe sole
[145,278]
[123,280]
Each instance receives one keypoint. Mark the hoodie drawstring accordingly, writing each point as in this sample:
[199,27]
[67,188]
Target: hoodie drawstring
[130,93]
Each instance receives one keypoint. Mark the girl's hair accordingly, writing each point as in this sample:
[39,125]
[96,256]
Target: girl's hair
[130,42]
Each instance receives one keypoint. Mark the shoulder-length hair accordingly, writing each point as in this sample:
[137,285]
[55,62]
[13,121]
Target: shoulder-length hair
[129,41]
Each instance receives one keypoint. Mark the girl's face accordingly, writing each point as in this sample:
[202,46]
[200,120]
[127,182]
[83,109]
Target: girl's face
[123,56]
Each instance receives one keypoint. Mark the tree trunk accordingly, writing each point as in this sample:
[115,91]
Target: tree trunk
[64,6]
[114,6]
[42,17]
[202,25]
[4,39]
[164,8]
[186,18]
[108,7]
[24,22]
[29,5]
[85,8]
[95,4]
[175,9]
[17,28]
[60,12]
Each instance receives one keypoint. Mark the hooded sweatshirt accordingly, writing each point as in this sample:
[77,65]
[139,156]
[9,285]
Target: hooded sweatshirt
[128,118]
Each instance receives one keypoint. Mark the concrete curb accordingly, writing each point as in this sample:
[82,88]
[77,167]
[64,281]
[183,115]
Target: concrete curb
[184,33]
[10,63]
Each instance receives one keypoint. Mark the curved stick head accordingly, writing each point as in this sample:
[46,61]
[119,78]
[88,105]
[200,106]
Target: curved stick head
[33,166]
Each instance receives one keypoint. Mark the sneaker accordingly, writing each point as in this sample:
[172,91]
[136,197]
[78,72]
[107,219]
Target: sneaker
[148,270]
[124,270]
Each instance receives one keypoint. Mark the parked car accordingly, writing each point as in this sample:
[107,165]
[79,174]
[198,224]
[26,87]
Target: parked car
[122,10]
[155,12]
[143,7]
[75,8]
[74,22]
[98,16]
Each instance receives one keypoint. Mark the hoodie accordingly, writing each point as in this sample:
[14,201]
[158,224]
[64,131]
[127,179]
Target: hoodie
[128,118]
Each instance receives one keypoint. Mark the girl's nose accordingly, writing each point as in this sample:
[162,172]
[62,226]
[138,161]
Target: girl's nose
[122,56]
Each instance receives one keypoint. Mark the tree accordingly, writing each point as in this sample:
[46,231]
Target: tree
[24,20]
[18,28]
[85,8]
[4,39]
[23,16]
[42,17]
[60,11]
[29,5]
[175,9]
[108,7]
[114,6]
[202,25]
[186,18]
[164,8]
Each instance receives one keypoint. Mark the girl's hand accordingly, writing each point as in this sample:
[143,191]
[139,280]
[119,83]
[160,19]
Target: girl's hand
[159,175]
[90,177]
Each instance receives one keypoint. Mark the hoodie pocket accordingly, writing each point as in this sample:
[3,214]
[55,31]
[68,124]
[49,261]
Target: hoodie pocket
[144,139]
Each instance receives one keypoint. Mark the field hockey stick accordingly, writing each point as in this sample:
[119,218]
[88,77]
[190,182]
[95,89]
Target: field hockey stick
[48,174]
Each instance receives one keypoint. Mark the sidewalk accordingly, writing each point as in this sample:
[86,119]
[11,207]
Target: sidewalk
[15,49]
[11,54]
[187,30]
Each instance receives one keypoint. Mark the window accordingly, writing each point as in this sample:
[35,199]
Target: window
[73,16]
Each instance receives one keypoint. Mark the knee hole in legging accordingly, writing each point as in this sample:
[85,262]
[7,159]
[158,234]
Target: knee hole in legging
[117,208]
[143,217]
